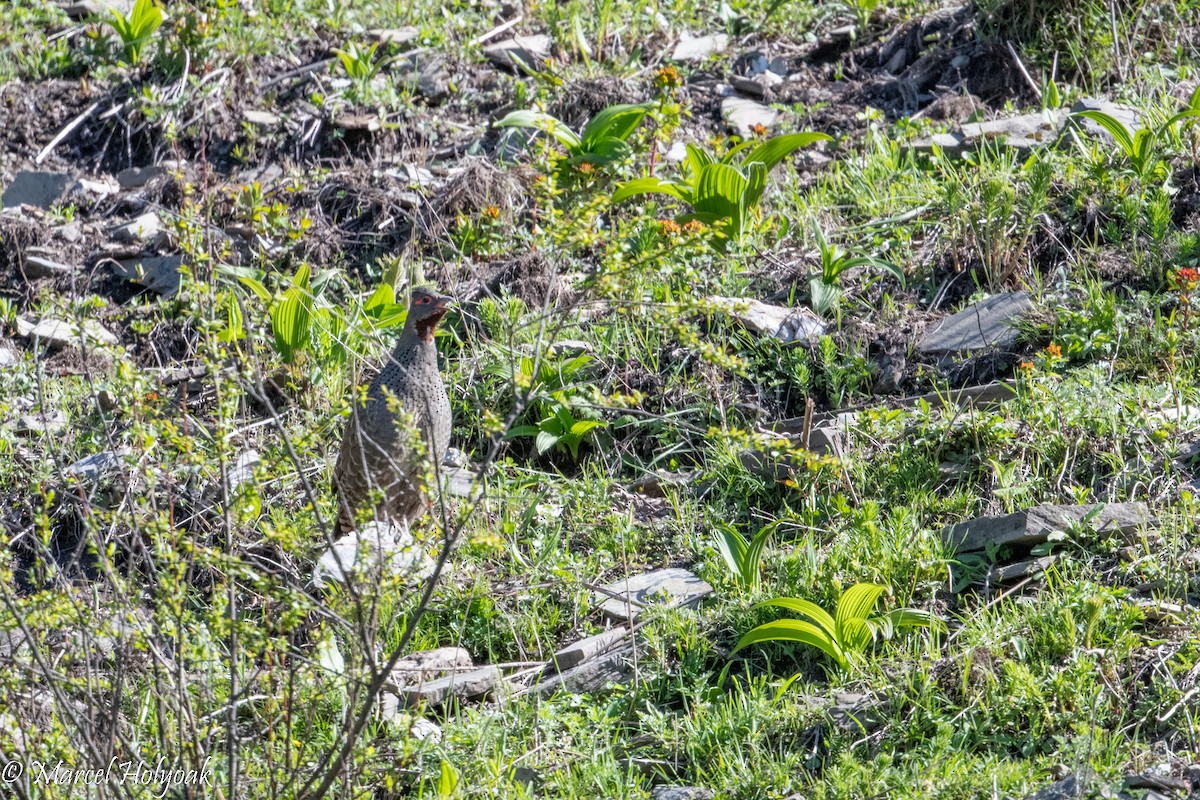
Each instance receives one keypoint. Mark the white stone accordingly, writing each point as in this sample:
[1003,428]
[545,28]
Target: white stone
[698,48]
[379,546]
[744,115]
[785,324]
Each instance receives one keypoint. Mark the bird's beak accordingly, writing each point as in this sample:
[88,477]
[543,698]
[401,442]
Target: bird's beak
[443,302]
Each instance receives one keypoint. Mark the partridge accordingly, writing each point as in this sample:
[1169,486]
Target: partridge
[401,429]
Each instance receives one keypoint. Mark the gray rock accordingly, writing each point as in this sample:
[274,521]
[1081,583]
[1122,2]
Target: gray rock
[39,189]
[532,51]
[698,48]
[458,686]
[14,646]
[427,75]
[140,229]
[98,188]
[96,8]
[426,665]
[261,119]
[1033,525]
[586,649]
[47,422]
[676,585]
[400,719]
[758,85]
[785,324]
[1025,133]
[37,266]
[392,35]
[8,356]
[97,465]
[858,713]
[59,333]
[1021,569]
[379,546]
[157,273]
[744,115]
[461,482]
[596,675]
[1070,786]
[242,469]
[137,177]
[682,793]
[983,325]
[71,233]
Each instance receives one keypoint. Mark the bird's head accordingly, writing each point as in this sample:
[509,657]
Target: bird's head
[426,310]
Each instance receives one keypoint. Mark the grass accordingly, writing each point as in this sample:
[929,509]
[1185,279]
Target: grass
[187,626]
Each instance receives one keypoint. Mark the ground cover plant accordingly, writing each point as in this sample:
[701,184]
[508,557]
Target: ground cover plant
[858,335]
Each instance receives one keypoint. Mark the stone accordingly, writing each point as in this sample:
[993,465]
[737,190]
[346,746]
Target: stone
[677,585]
[699,48]
[987,395]
[511,53]
[379,546]
[747,116]
[261,119]
[858,713]
[1157,781]
[984,325]
[1070,786]
[785,324]
[157,273]
[457,686]
[586,649]
[427,75]
[93,8]
[38,189]
[42,267]
[401,719]
[1034,525]
[655,484]
[1025,132]
[137,177]
[70,233]
[1021,569]
[596,675]
[758,85]
[392,35]
[682,793]
[242,469]
[426,665]
[8,356]
[99,188]
[462,483]
[47,422]
[142,228]
[97,465]
[58,333]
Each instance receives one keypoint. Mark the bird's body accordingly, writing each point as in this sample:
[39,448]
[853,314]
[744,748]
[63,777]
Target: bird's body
[401,430]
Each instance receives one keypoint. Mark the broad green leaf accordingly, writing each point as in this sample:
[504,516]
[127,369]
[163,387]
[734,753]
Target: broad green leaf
[774,150]
[697,160]
[518,431]
[754,555]
[905,618]
[733,548]
[603,151]
[719,191]
[546,441]
[756,184]
[530,118]
[794,630]
[855,635]
[1121,134]
[292,316]
[584,426]
[824,296]
[384,295]
[808,609]
[614,122]
[857,602]
[256,286]
[650,185]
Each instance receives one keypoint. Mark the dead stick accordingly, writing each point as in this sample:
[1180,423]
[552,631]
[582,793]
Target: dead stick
[1024,72]
[65,132]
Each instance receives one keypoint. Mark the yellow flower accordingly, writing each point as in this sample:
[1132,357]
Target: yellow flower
[492,212]
[1053,350]
[669,227]
[667,78]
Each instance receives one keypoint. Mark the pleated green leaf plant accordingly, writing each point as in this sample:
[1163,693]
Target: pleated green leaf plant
[843,635]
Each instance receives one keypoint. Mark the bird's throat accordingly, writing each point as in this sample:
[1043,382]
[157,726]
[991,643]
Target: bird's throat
[427,326]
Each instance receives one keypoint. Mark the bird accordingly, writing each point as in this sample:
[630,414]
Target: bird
[401,429]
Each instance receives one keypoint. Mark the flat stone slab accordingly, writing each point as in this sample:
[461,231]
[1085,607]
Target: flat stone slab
[137,177]
[139,229]
[157,273]
[532,51]
[461,482]
[1126,115]
[745,115]
[97,465]
[698,48]
[586,649]
[1033,525]
[378,547]
[785,324]
[48,422]
[463,686]
[596,675]
[982,325]
[39,189]
[676,585]
[60,333]
[427,665]
[682,793]
[1025,132]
